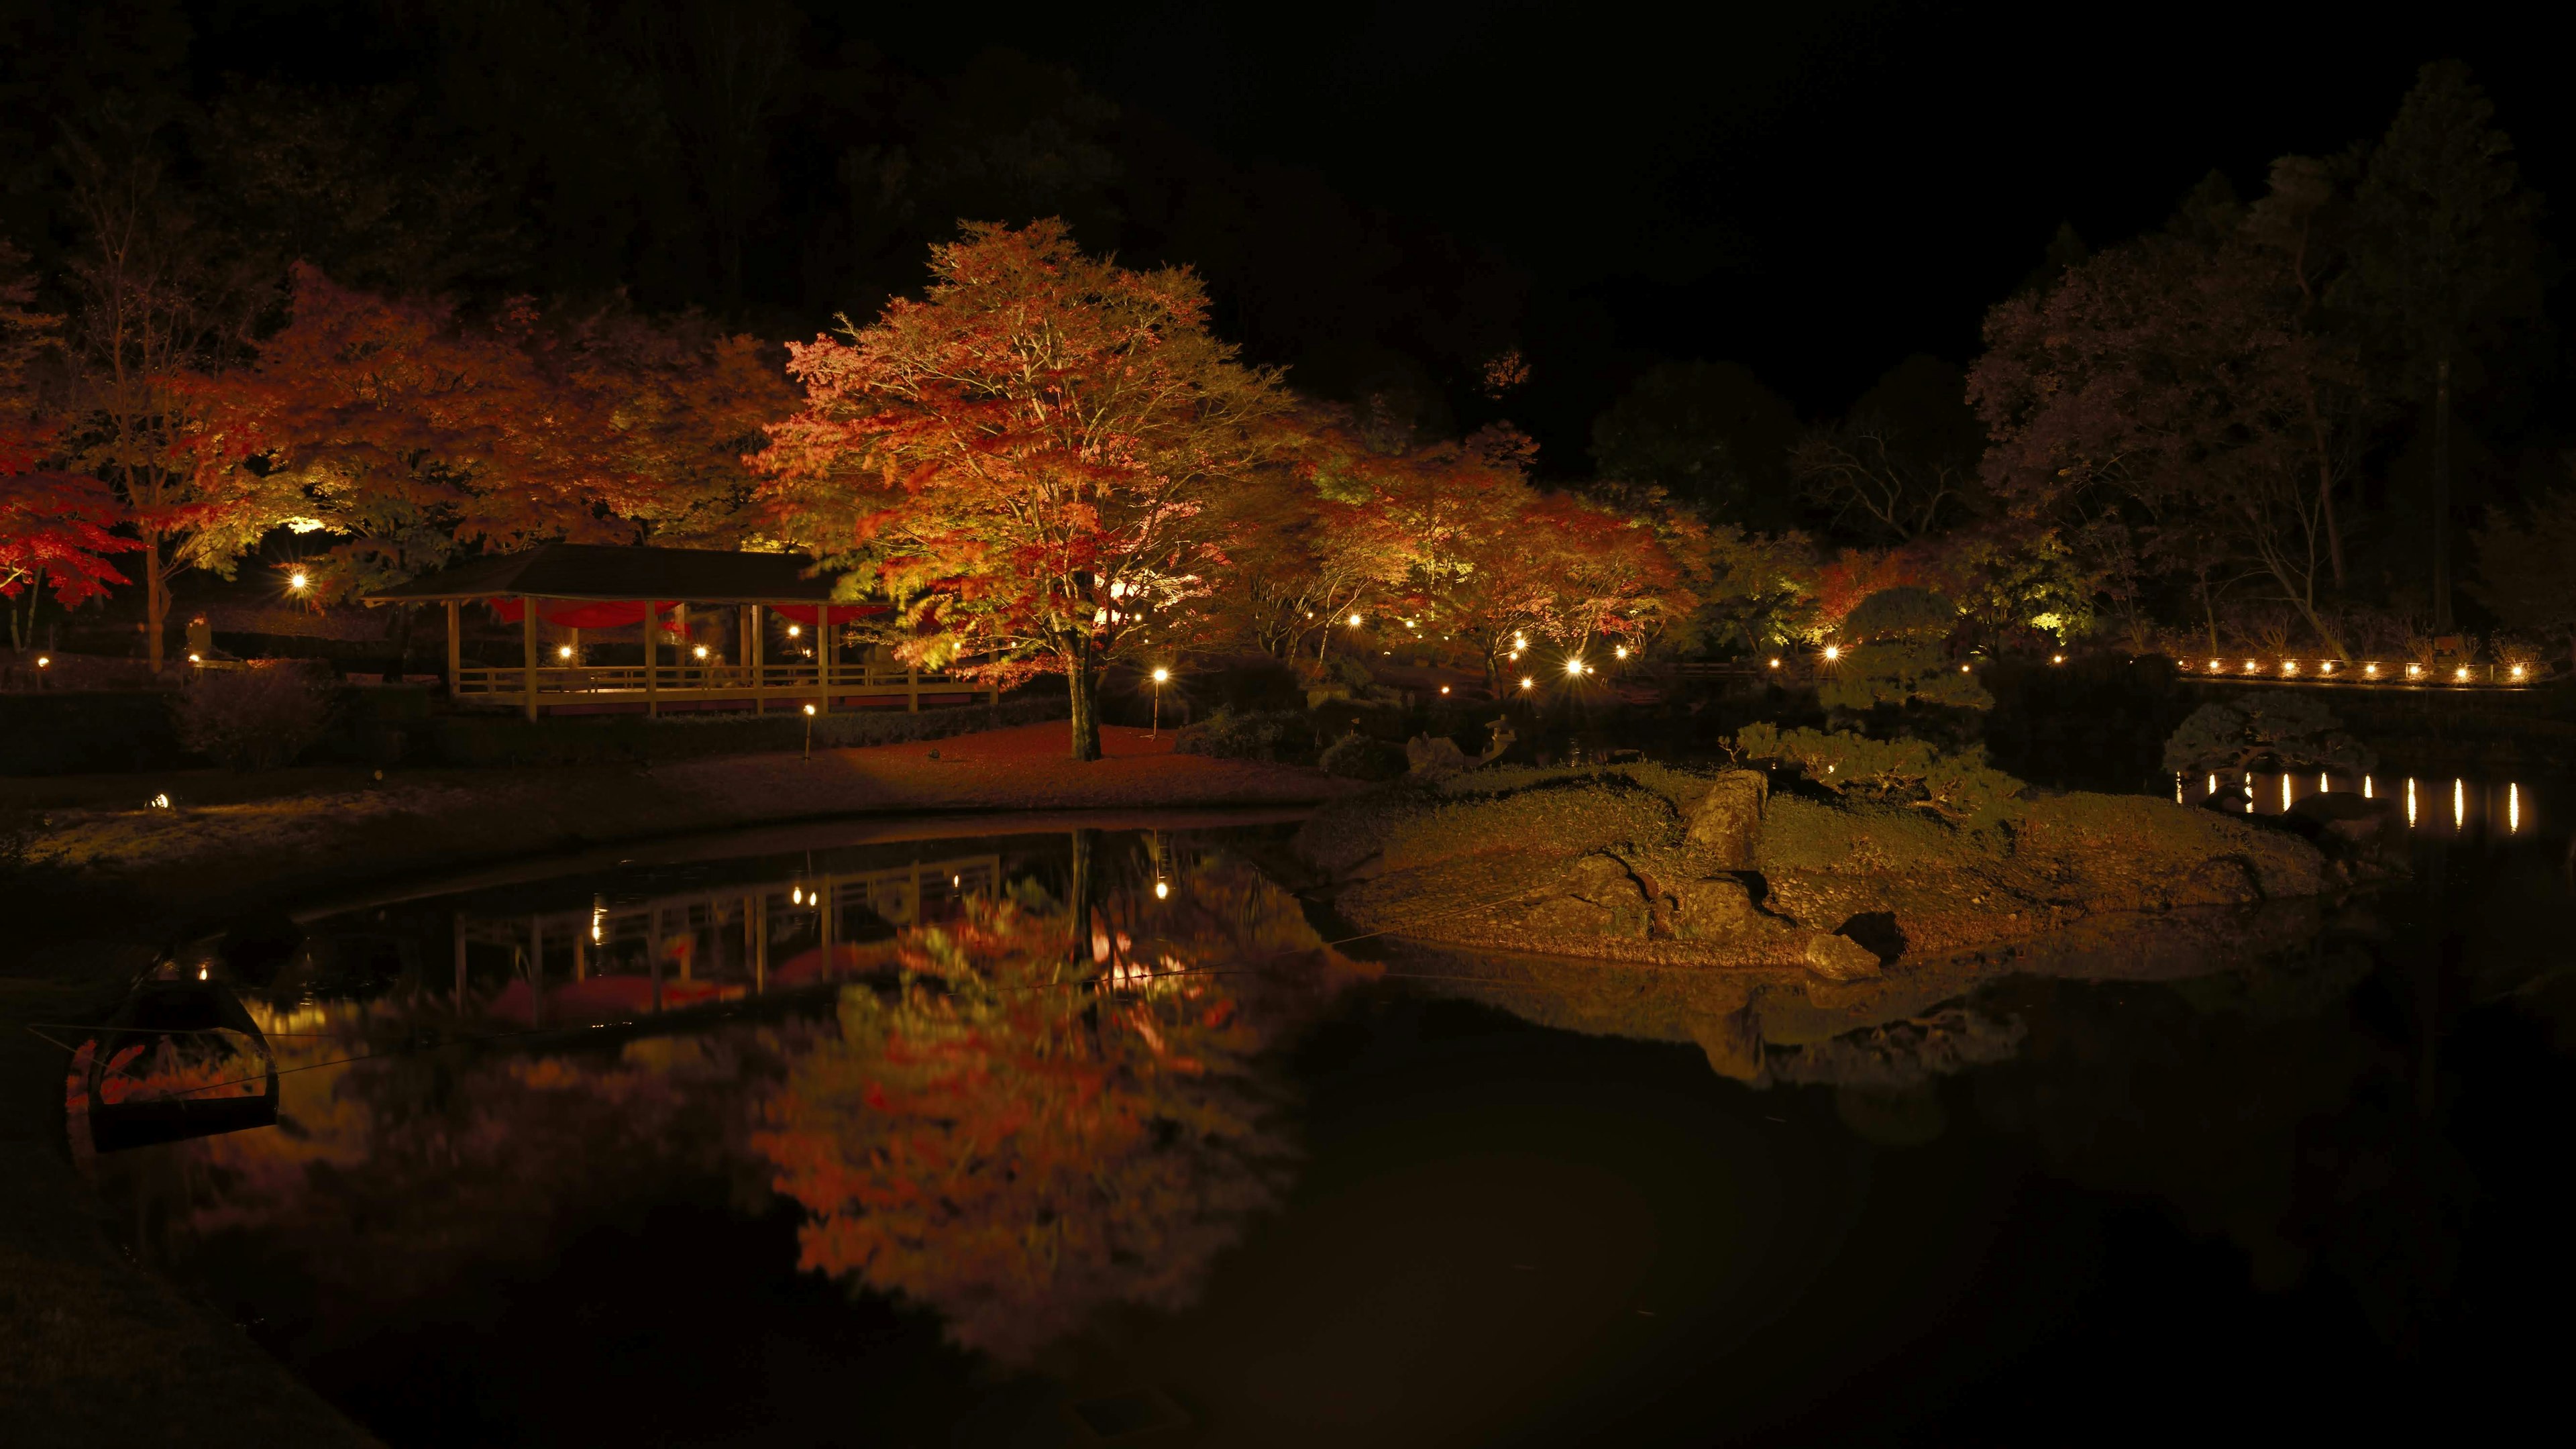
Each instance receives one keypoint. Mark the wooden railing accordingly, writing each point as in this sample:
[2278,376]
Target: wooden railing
[695,682]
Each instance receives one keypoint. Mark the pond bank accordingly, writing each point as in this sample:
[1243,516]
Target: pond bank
[91,1347]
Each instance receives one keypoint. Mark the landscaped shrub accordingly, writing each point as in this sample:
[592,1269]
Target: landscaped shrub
[503,740]
[2284,730]
[1254,735]
[1957,785]
[1357,756]
[253,719]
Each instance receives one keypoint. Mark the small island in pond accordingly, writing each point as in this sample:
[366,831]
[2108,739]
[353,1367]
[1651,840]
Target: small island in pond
[1650,864]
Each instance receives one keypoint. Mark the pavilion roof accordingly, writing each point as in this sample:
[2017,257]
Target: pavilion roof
[622,573]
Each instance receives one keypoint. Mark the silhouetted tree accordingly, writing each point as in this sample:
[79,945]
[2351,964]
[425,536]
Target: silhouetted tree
[2443,243]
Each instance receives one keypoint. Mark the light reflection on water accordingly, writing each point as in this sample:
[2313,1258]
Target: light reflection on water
[1172,1141]
[2496,807]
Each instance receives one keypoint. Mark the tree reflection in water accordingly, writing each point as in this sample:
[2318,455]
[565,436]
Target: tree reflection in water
[1061,1104]
[1020,1134]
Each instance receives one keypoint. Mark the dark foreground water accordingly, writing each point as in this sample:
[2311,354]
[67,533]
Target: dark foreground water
[842,1140]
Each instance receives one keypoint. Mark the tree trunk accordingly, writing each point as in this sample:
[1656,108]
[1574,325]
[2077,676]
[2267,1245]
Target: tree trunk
[2442,495]
[2325,487]
[1082,685]
[1077,895]
[22,621]
[156,598]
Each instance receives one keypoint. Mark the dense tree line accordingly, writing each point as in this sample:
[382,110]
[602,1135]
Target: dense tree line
[311,322]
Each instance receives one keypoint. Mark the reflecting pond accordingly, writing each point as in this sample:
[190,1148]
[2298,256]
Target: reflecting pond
[1104,1136]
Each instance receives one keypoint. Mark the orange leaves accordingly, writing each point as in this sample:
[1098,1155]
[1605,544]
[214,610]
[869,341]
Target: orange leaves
[411,429]
[1039,425]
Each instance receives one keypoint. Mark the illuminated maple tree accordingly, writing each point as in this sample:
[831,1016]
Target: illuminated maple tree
[413,433]
[1024,458]
[54,525]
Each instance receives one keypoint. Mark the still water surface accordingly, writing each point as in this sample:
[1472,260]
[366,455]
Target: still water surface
[884,1141]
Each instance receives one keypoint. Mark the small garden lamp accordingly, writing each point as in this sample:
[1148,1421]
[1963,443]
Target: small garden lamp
[1161,677]
[809,734]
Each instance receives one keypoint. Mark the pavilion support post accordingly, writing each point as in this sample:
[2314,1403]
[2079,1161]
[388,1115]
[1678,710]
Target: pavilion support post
[823,658]
[528,643]
[580,955]
[680,630]
[455,649]
[755,933]
[753,653]
[652,662]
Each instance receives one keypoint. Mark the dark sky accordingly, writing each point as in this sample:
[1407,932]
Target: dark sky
[1814,189]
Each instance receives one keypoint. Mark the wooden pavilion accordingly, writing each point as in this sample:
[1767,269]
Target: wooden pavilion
[781,647]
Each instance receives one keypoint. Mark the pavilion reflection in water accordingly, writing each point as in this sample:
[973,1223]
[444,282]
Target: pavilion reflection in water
[713,943]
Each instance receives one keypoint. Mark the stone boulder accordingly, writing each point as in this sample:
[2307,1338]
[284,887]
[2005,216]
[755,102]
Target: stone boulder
[1432,757]
[1717,909]
[1728,819]
[1840,958]
[1596,896]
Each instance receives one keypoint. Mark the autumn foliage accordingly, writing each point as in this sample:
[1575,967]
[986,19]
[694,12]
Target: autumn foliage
[1024,459]
[1019,1142]
[54,522]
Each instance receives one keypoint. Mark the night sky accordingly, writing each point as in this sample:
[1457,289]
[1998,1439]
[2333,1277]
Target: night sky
[1815,191]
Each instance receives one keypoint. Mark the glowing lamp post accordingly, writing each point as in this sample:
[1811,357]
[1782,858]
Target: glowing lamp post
[1161,677]
[298,581]
[809,734]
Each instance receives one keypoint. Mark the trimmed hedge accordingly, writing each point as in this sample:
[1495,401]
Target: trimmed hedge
[497,740]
